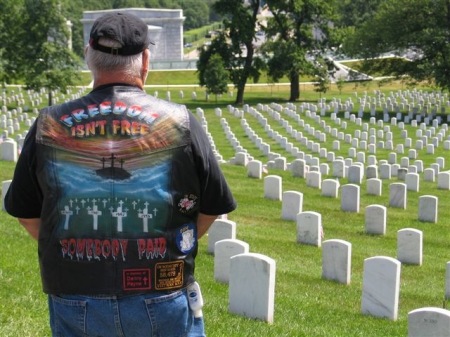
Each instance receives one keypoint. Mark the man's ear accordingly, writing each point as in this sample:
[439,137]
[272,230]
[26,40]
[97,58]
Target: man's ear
[145,60]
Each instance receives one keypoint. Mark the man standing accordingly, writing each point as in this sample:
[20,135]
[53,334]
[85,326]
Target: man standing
[117,187]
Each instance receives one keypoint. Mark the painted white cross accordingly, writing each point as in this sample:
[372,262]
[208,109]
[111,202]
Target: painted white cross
[67,212]
[144,215]
[119,215]
[95,213]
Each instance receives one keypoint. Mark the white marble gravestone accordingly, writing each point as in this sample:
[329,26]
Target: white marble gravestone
[397,195]
[252,286]
[272,187]
[337,260]
[429,322]
[443,180]
[330,188]
[385,171]
[221,229]
[338,168]
[254,169]
[299,168]
[309,228]
[314,179]
[412,181]
[381,287]
[410,246]
[241,159]
[350,198]
[292,204]
[5,187]
[374,186]
[428,175]
[355,174]
[223,252]
[8,150]
[428,208]
[376,219]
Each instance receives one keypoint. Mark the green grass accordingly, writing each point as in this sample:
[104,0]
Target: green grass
[305,305]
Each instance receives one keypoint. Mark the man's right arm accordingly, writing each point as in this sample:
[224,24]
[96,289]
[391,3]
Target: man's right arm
[31,225]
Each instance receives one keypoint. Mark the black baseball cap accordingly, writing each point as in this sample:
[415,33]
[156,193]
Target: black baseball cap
[127,29]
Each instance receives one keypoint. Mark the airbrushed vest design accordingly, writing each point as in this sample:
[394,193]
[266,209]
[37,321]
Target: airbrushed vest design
[121,194]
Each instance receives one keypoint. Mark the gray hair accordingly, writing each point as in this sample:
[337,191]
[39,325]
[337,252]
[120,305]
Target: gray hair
[98,61]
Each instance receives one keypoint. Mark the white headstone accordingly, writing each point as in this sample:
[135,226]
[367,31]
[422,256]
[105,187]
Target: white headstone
[252,286]
[314,179]
[221,229]
[381,287]
[350,198]
[292,204]
[254,169]
[410,246]
[8,150]
[397,195]
[299,168]
[309,228]
[224,250]
[272,187]
[330,188]
[374,186]
[376,219]
[412,182]
[337,260]
[428,208]
[443,180]
[5,187]
[429,322]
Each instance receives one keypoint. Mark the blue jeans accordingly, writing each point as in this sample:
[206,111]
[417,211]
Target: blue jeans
[152,315]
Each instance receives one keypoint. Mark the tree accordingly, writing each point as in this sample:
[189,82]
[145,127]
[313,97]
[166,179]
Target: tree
[235,43]
[216,76]
[196,13]
[404,27]
[10,35]
[299,33]
[46,60]
[355,12]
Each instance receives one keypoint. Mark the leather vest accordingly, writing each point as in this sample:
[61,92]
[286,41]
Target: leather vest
[121,194]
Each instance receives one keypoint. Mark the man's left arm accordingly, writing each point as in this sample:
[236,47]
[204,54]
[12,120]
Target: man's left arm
[204,221]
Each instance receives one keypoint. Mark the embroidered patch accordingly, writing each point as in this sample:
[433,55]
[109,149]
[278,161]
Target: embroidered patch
[187,203]
[169,275]
[136,279]
[186,238]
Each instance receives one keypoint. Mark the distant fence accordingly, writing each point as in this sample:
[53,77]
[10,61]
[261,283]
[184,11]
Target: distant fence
[171,65]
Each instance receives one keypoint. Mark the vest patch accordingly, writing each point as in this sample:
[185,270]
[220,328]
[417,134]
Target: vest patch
[137,279]
[169,275]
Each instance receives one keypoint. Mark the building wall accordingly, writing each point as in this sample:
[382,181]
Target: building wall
[165,25]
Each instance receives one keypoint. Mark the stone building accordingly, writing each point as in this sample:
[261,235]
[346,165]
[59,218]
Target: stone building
[165,25]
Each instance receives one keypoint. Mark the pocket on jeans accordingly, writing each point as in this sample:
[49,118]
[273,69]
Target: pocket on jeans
[169,314]
[68,316]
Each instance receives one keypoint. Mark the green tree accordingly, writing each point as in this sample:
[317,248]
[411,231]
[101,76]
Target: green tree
[11,31]
[45,59]
[299,33]
[196,13]
[235,44]
[356,12]
[216,76]
[418,30]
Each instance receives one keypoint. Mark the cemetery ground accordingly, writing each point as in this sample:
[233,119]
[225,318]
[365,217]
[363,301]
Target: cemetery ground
[305,304]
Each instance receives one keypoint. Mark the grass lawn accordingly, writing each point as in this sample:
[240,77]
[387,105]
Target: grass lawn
[305,304]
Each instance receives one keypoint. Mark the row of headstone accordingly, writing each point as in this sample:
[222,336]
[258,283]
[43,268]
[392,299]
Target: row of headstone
[387,170]
[292,201]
